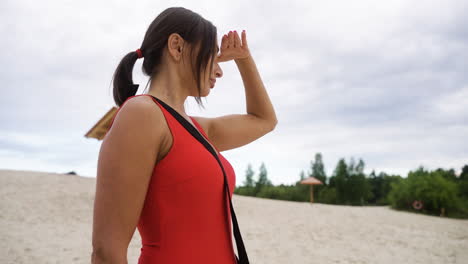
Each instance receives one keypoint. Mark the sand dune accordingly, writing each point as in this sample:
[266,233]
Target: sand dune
[47,218]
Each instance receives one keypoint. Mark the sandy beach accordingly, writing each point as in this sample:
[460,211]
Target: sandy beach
[47,218]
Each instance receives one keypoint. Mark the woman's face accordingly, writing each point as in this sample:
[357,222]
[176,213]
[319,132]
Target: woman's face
[208,79]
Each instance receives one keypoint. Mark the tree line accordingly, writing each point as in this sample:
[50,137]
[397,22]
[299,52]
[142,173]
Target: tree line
[438,192]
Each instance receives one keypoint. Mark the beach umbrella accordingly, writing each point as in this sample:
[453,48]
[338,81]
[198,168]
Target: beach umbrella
[100,129]
[311,181]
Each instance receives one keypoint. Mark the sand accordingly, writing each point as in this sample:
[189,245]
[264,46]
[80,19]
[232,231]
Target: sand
[47,218]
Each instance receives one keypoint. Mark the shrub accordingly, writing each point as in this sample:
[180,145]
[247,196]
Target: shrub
[435,191]
[327,195]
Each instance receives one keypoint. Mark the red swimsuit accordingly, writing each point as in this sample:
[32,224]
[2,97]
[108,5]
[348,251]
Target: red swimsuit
[186,216]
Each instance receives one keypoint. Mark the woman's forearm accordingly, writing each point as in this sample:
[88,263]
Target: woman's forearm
[257,99]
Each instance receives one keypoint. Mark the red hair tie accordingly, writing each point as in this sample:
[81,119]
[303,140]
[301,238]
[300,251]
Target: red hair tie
[140,54]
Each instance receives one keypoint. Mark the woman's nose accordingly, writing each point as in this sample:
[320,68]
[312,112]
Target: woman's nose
[218,72]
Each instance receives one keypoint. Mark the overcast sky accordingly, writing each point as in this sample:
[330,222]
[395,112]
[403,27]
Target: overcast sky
[385,81]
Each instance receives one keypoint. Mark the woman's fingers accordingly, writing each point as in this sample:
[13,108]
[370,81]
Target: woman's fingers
[224,42]
[244,39]
[232,46]
[231,39]
[237,41]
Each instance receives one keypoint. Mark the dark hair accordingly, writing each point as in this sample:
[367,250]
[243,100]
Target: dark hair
[192,27]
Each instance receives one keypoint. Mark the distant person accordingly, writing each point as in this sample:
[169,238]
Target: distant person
[161,170]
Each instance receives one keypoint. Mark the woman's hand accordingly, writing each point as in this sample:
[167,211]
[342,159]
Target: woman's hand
[232,48]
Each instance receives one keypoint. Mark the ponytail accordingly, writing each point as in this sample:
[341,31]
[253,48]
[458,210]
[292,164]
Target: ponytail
[122,79]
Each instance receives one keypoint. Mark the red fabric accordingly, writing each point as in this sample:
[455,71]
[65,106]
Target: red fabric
[185,218]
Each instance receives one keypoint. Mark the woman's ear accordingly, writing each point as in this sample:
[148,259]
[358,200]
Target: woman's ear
[175,45]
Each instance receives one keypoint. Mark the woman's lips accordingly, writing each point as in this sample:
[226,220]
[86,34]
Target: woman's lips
[212,83]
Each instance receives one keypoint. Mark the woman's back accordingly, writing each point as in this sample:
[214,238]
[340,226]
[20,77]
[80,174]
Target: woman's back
[185,217]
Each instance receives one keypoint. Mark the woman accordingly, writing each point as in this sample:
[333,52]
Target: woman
[154,171]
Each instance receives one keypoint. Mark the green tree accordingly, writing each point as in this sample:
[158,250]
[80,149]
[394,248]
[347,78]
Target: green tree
[360,167]
[380,187]
[302,175]
[301,190]
[262,179]
[358,189]
[432,188]
[447,174]
[464,173]
[351,167]
[350,183]
[376,183]
[341,176]
[463,185]
[318,171]
[249,182]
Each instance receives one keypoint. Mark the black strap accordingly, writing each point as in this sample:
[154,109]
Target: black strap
[243,258]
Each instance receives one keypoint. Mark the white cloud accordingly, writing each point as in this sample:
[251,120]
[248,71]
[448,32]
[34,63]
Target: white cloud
[382,81]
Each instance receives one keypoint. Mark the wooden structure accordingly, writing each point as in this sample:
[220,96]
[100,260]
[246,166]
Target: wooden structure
[311,181]
[100,129]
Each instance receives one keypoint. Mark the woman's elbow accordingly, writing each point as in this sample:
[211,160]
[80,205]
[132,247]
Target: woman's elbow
[101,255]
